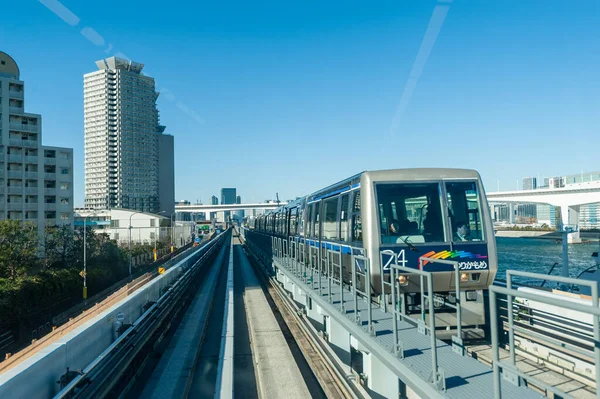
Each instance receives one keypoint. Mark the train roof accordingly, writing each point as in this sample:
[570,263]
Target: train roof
[406,174]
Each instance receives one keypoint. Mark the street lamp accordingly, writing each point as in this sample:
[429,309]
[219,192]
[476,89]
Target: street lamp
[85,255]
[155,231]
[130,253]
[172,230]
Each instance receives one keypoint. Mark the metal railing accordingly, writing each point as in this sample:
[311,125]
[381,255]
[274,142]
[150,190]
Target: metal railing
[510,370]
[331,267]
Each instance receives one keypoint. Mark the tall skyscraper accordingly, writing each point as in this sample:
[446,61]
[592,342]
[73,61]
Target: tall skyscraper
[529,183]
[123,140]
[228,197]
[240,213]
[36,180]
[214,200]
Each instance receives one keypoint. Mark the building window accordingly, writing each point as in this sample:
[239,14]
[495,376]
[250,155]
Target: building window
[117,236]
[64,186]
[114,224]
[64,201]
[152,222]
[64,155]
[152,235]
[64,216]
[64,171]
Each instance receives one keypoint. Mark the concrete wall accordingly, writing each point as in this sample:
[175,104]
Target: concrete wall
[36,377]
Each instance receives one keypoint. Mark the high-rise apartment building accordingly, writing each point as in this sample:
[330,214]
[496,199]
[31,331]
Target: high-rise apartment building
[36,182]
[123,138]
[214,200]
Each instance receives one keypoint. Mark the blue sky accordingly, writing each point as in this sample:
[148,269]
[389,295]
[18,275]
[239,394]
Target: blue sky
[274,97]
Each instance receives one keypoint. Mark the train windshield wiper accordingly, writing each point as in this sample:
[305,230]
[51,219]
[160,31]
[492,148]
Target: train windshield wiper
[410,244]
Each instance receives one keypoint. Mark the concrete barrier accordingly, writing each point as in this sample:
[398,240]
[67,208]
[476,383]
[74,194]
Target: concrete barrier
[37,376]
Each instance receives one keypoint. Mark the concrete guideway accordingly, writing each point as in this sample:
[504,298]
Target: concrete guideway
[277,374]
[171,377]
[90,344]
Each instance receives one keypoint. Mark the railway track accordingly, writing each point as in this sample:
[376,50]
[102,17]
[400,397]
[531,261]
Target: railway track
[328,370]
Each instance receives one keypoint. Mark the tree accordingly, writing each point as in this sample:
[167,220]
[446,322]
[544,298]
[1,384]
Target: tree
[59,246]
[19,245]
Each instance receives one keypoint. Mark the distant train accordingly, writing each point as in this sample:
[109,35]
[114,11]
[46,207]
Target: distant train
[431,213]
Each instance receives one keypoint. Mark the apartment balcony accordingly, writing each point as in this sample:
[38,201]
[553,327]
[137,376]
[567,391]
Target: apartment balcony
[14,206]
[23,127]
[16,94]
[49,161]
[31,190]
[2,190]
[30,143]
[14,190]
[32,206]
[31,159]
[16,142]
[50,191]
[50,176]
[31,175]
[15,158]
[15,174]
[16,110]
[50,207]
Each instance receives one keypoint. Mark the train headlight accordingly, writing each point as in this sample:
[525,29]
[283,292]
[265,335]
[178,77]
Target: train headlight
[402,280]
[464,277]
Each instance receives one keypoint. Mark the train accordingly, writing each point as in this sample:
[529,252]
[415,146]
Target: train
[416,214]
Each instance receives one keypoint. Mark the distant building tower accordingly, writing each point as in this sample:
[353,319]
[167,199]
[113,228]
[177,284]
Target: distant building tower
[214,200]
[529,183]
[240,213]
[37,181]
[124,147]
[228,196]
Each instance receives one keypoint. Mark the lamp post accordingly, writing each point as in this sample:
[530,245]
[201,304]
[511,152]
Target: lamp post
[172,230]
[85,255]
[130,253]
[155,239]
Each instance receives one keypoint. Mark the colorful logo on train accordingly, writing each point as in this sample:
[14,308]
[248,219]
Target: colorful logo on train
[472,261]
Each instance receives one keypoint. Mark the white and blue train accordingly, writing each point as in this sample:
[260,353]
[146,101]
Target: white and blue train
[416,213]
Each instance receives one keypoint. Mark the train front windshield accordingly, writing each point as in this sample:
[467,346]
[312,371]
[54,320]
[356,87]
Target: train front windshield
[414,213]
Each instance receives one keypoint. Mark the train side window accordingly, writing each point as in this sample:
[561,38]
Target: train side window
[344,217]
[465,214]
[329,231]
[356,219]
[317,228]
[309,221]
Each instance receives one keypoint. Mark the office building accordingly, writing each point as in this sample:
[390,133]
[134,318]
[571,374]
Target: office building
[228,196]
[529,183]
[214,200]
[36,181]
[123,140]
[239,214]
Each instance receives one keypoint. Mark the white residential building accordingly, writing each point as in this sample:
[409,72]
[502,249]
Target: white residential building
[146,228]
[36,181]
[122,136]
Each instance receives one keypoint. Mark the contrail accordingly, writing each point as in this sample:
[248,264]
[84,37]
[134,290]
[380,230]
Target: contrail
[433,30]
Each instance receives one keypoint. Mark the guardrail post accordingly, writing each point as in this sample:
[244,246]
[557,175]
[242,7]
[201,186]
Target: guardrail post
[339,253]
[329,265]
[354,293]
[369,300]
[395,317]
[495,355]
[511,331]
[457,343]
